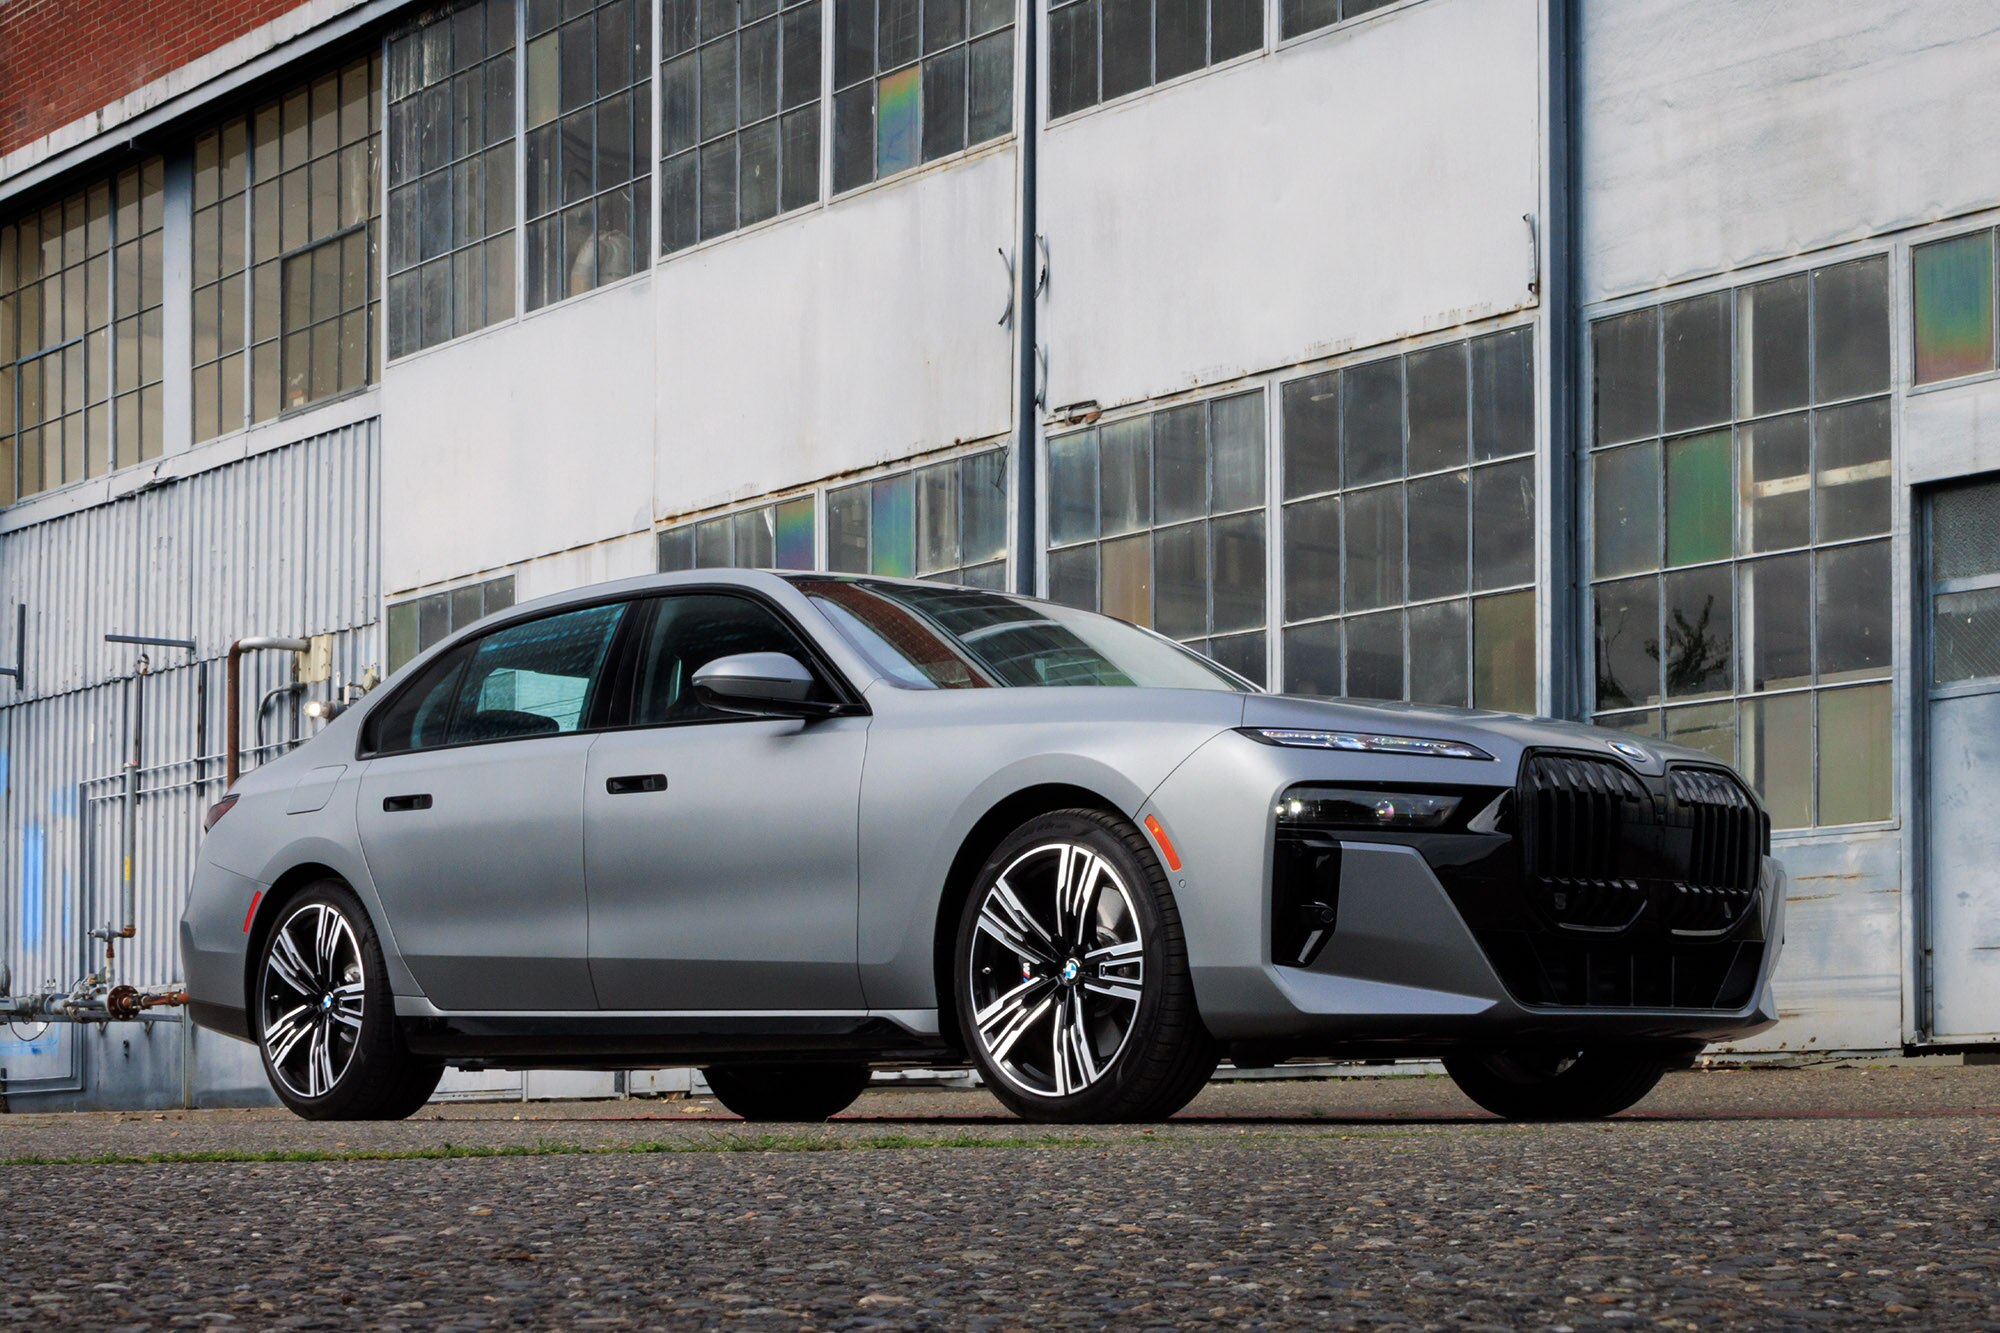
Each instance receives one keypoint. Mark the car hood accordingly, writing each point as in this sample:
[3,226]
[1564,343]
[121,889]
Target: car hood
[1503,735]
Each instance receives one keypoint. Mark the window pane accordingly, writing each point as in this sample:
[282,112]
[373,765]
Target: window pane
[1965,531]
[1236,27]
[1953,298]
[1646,723]
[1125,482]
[1243,654]
[1374,534]
[847,530]
[1503,394]
[1313,658]
[754,539]
[1073,487]
[1700,512]
[1375,656]
[1700,637]
[1127,579]
[1778,756]
[944,101]
[1312,558]
[1372,421]
[1855,773]
[1128,46]
[1628,642]
[1180,563]
[1709,727]
[1776,620]
[989,87]
[1439,545]
[1776,485]
[1625,391]
[1438,422]
[1503,525]
[1311,409]
[854,41]
[714,544]
[896,114]
[1073,577]
[1073,58]
[1503,652]
[1180,463]
[1853,597]
[1695,336]
[1965,635]
[892,527]
[1625,510]
[1851,471]
[1236,430]
[1438,657]
[983,479]
[1300,16]
[676,550]
[1771,346]
[937,518]
[1238,562]
[1181,37]
[1851,329]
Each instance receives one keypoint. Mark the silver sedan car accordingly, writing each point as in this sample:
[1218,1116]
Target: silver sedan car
[793,828]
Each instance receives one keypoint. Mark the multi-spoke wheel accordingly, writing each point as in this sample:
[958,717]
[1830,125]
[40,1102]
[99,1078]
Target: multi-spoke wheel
[325,1018]
[1072,982]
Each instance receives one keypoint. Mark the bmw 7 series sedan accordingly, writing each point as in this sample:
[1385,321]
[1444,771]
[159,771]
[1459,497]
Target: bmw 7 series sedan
[792,828]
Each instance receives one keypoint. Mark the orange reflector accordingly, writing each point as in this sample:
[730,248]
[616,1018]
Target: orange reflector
[255,898]
[1166,843]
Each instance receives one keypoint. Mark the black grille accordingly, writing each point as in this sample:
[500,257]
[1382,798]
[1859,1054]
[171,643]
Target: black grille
[1542,968]
[1575,814]
[1727,835]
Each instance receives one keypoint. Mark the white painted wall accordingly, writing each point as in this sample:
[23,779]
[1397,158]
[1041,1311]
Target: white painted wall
[1718,133]
[858,333]
[1359,186]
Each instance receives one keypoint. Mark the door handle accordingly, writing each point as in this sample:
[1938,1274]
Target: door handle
[636,782]
[420,801]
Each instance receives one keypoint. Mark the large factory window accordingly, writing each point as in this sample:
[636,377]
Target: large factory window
[917,80]
[1741,496]
[80,360]
[293,276]
[1409,526]
[419,623]
[1102,49]
[945,521]
[1952,305]
[739,114]
[1159,520]
[589,145]
[451,175]
[769,536]
[1296,17]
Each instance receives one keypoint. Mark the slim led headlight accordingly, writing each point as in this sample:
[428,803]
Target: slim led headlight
[1419,746]
[1335,807]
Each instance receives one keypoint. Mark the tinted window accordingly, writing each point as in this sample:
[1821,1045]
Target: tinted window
[534,678]
[419,717]
[688,633]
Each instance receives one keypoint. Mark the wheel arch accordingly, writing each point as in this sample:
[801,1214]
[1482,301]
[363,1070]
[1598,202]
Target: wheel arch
[986,834]
[270,905]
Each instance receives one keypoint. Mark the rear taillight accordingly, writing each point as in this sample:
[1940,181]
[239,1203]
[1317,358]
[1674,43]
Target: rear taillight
[217,811]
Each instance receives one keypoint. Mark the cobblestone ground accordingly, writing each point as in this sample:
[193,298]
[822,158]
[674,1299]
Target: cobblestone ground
[1791,1199]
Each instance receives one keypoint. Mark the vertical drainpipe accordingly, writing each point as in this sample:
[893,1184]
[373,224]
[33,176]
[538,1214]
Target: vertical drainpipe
[1027,413]
[1570,612]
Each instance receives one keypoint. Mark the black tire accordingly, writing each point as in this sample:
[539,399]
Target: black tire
[790,1093]
[377,1077]
[1166,1055]
[1558,1085]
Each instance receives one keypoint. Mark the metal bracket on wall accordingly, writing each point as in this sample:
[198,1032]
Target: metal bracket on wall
[19,671]
[1534,255]
[1007,316]
[1042,277]
[1042,376]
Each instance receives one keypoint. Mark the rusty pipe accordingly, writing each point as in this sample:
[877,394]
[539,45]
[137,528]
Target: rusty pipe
[232,722]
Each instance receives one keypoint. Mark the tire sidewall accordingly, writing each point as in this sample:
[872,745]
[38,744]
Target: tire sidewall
[1161,949]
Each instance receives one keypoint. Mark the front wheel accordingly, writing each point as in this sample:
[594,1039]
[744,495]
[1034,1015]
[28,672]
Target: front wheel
[787,1093]
[1557,1084]
[1072,982]
[326,1020]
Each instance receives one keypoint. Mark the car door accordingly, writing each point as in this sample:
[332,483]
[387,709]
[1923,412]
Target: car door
[471,814]
[720,850]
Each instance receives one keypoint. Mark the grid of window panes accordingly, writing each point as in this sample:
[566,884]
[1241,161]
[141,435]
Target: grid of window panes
[1302,16]
[451,175]
[423,621]
[589,145]
[1102,49]
[739,114]
[1740,497]
[772,536]
[295,274]
[945,521]
[80,364]
[1952,292]
[1409,526]
[917,80]
[1159,520]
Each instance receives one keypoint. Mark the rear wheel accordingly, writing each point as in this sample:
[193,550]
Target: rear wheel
[1558,1084]
[1072,979]
[326,1020]
[795,1092]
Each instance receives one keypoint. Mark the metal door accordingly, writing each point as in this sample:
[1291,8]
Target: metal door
[1962,861]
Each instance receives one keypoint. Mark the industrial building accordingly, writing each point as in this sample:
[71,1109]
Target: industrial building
[1632,361]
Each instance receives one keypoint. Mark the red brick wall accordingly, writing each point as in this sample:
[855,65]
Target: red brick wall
[62,59]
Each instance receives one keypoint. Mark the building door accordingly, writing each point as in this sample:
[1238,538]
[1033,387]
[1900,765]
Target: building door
[1963,838]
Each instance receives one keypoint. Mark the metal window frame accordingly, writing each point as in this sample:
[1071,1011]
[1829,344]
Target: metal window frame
[1269,11]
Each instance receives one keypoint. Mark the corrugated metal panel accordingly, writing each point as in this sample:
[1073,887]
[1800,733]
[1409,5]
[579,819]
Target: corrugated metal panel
[284,542]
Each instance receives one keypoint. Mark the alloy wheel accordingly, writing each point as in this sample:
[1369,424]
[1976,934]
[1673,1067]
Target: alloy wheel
[313,999]
[1057,969]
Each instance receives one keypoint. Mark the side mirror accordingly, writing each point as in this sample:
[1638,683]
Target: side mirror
[761,685]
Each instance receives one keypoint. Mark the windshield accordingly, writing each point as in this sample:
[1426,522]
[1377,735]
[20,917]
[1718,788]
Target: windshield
[959,638]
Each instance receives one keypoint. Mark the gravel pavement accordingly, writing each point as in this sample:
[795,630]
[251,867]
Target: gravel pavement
[1849,1197]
